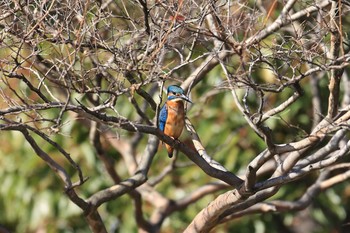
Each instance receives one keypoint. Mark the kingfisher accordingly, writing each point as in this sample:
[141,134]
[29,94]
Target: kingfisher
[172,114]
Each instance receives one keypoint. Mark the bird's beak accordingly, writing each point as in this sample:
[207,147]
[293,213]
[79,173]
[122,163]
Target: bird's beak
[186,98]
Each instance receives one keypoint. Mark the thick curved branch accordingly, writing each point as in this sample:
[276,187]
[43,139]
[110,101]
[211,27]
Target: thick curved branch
[131,183]
[295,149]
[231,201]
[322,183]
[109,165]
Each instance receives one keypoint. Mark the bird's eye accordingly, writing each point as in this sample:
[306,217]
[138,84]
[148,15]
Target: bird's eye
[174,93]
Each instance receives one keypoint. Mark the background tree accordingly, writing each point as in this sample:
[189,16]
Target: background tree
[82,85]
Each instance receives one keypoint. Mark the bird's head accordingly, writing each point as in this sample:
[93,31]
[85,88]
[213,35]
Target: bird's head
[176,93]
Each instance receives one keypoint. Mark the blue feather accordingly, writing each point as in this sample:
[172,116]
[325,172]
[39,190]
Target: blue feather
[163,114]
[176,89]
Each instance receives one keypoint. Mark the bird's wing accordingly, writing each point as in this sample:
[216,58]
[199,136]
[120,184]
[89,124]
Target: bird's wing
[162,117]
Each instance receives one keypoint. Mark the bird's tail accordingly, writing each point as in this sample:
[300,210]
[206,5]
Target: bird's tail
[170,150]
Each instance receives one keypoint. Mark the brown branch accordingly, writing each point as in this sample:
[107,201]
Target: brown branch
[200,148]
[92,216]
[335,74]
[171,206]
[128,75]
[207,218]
[210,216]
[275,206]
[123,147]
[326,150]
[30,85]
[283,106]
[323,183]
[145,13]
[296,150]
[131,183]
[109,165]
[207,65]
[59,170]
[197,194]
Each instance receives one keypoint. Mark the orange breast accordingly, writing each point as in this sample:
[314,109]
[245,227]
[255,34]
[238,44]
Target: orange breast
[176,119]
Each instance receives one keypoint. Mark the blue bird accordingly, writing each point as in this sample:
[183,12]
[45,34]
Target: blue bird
[172,114]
